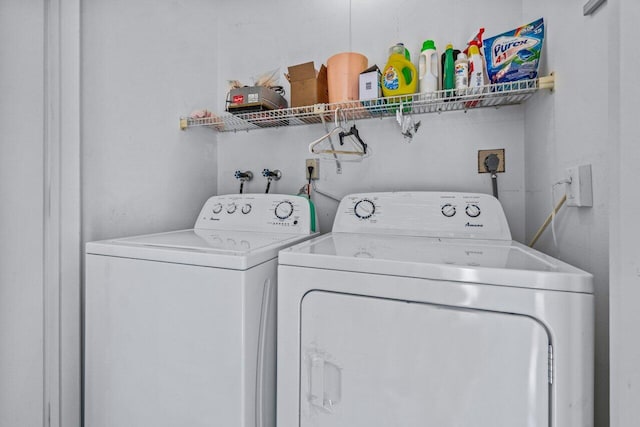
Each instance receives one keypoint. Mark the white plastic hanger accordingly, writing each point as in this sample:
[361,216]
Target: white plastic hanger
[355,148]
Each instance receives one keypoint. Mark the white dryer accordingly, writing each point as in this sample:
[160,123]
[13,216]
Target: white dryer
[419,310]
[180,326]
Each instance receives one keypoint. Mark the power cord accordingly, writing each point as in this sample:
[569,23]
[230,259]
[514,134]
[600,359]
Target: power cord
[491,164]
[310,170]
[553,204]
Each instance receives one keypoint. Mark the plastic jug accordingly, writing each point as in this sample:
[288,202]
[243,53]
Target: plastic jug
[448,77]
[461,73]
[400,75]
[428,67]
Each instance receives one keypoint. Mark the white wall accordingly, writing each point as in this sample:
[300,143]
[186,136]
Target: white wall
[625,228]
[144,64]
[442,156]
[568,128]
[21,214]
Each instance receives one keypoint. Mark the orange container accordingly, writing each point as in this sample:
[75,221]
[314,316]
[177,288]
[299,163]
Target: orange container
[343,71]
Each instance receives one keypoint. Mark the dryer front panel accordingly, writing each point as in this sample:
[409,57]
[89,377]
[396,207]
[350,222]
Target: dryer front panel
[369,361]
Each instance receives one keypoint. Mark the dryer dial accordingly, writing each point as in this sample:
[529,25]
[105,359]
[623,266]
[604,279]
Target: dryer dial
[448,210]
[473,211]
[217,208]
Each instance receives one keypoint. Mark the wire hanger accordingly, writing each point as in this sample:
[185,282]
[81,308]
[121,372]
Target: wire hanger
[356,146]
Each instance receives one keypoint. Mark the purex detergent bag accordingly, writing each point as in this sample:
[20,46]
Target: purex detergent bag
[515,55]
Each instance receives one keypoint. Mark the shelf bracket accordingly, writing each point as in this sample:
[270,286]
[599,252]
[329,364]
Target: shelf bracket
[184,123]
[547,82]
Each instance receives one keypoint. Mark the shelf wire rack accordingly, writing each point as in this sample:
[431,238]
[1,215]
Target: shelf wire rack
[495,95]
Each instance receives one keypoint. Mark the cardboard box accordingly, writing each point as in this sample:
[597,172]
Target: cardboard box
[307,86]
[370,87]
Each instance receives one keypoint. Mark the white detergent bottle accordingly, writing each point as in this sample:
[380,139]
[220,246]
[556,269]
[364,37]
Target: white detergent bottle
[462,73]
[428,67]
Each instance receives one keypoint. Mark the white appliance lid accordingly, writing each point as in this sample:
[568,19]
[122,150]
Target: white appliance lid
[493,262]
[237,250]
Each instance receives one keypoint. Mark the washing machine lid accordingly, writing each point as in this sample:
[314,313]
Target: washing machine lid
[238,250]
[493,262]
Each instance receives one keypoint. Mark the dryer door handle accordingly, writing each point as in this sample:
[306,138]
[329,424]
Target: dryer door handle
[325,383]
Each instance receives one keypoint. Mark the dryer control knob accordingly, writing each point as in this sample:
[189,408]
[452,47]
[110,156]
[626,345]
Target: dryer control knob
[448,210]
[473,211]
[217,208]
[231,208]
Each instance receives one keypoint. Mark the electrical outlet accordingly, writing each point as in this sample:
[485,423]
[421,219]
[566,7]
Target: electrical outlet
[579,191]
[315,174]
[482,155]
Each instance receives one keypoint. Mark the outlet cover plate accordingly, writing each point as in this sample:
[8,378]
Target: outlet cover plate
[316,169]
[579,191]
[482,154]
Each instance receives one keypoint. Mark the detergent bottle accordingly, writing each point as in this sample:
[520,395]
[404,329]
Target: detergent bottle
[448,70]
[461,73]
[400,76]
[428,67]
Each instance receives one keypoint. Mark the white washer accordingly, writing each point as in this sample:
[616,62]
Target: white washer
[180,326]
[419,310]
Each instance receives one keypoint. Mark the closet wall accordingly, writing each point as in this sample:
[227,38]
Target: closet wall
[145,63]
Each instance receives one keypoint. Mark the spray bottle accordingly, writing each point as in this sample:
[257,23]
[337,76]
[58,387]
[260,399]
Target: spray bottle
[428,67]
[476,68]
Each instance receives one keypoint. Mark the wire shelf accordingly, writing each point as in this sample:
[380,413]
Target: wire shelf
[495,95]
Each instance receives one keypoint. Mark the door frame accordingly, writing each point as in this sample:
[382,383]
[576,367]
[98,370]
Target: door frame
[62,215]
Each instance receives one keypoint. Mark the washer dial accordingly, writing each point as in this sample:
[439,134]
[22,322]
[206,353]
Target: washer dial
[231,208]
[217,208]
[284,209]
[448,210]
[473,211]
[246,209]
[364,209]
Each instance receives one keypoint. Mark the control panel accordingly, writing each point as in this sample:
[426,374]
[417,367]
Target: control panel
[258,212]
[432,214]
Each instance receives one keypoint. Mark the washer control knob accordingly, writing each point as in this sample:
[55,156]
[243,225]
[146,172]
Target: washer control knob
[473,211]
[246,209]
[364,208]
[284,209]
[231,208]
[217,208]
[448,210]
